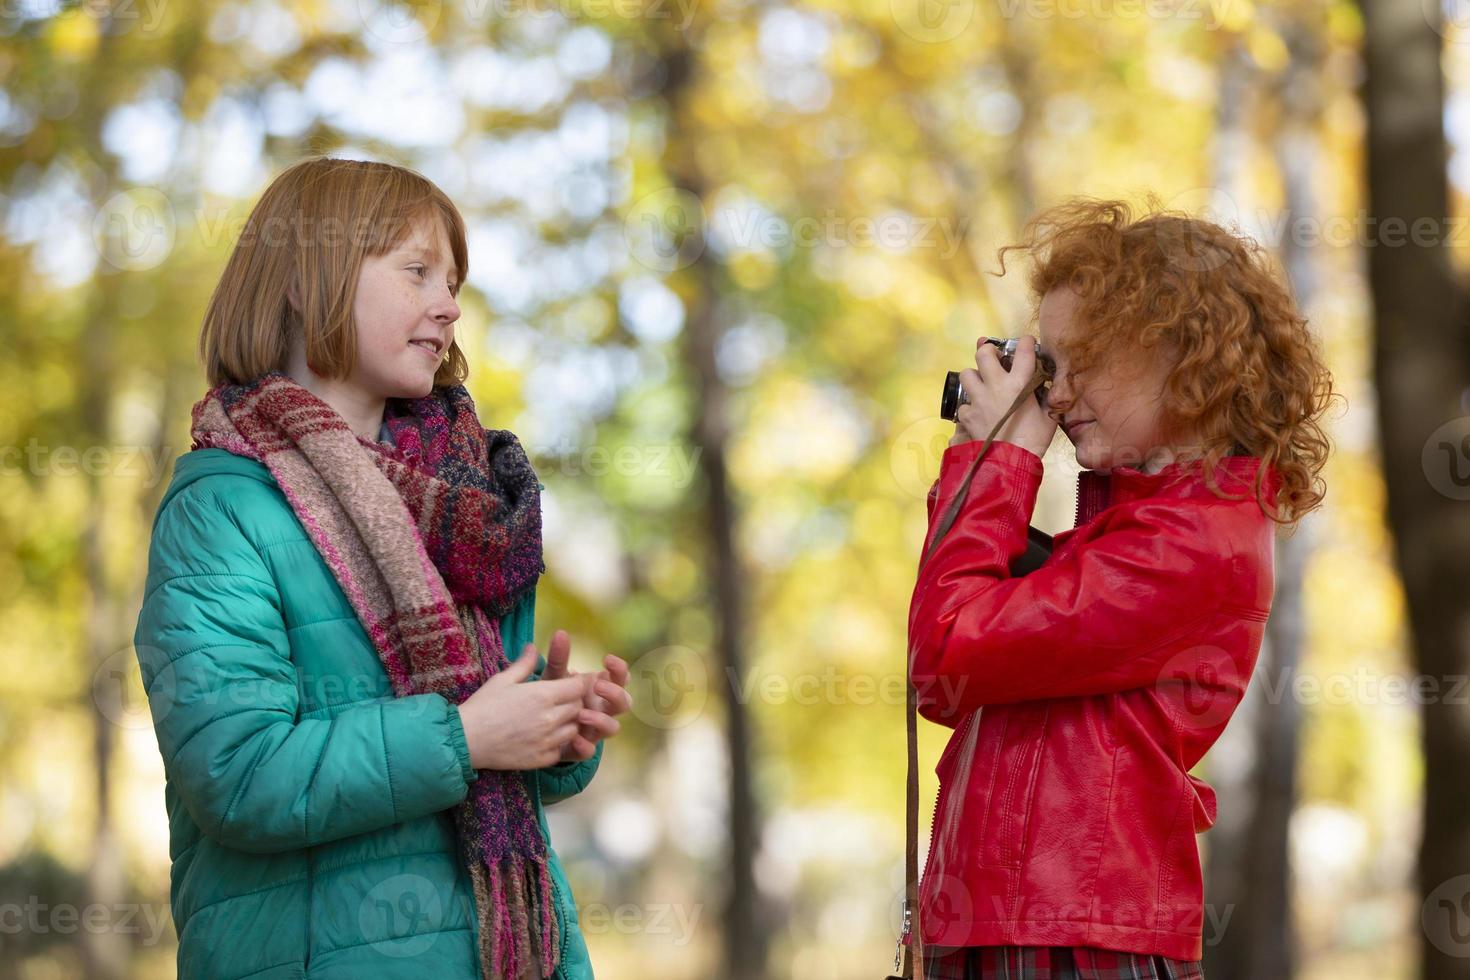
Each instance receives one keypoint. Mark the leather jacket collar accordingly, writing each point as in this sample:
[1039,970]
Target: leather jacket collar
[1097,490]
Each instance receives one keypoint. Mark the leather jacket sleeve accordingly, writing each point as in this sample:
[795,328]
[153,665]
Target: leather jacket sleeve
[1104,618]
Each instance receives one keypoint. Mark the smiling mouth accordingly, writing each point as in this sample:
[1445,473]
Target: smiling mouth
[428,347]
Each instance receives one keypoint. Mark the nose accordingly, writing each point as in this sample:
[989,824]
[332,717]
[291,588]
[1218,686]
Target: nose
[445,309]
[1059,395]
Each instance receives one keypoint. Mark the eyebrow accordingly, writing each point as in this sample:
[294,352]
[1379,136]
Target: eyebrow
[427,253]
[432,254]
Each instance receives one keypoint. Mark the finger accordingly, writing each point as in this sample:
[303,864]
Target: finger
[617,668]
[616,688]
[589,692]
[521,667]
[582,747]
[565,690]
[974,385]
[616,699]
[604,725]
[558,655]
[962,423]
[1023,362]
[987,360]
[562,714]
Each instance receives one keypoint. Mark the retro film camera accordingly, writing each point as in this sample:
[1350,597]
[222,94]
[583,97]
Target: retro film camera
[1038,543]
[954,394]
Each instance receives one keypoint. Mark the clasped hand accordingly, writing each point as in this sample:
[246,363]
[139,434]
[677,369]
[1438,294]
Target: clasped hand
[509,724]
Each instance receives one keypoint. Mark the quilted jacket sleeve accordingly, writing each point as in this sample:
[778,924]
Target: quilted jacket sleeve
[568,778]
[222,690]
[1096,623]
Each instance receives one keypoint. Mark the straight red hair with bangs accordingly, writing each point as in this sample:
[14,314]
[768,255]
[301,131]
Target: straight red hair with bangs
[1245,369]
[295,267]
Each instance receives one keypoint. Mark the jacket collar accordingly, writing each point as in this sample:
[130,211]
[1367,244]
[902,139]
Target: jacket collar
[1098,490]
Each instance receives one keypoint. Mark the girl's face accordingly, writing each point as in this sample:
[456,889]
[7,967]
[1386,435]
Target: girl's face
[1114,418]
[405,312]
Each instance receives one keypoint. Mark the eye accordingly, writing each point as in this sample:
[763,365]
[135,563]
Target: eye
[417,270]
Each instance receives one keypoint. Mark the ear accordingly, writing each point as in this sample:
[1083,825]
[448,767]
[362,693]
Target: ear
[293,295]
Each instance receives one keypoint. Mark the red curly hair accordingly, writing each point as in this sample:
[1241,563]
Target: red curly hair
[1246,370]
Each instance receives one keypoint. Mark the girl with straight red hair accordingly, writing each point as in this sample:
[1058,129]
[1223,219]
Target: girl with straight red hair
[338,616]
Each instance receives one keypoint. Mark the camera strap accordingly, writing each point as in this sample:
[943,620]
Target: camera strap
[909,960]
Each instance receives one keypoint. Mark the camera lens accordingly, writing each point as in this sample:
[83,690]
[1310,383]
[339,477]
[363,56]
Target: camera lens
[953,397]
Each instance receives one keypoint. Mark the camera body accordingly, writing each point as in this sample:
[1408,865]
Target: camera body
[954,394]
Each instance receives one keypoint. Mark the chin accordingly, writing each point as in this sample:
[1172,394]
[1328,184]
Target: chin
[1101,459]
[414,385]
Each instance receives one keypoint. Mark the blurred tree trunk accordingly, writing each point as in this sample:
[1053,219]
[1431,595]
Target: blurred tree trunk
[745,931]
[105,952]
[1233,761]
[1269,943]
[1421,363]
[1250,931]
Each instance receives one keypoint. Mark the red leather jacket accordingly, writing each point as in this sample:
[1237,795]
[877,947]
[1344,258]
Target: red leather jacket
[1080,696]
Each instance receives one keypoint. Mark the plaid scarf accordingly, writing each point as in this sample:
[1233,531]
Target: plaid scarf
[431,539]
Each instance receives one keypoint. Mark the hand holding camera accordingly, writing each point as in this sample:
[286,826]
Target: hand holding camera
[976,399]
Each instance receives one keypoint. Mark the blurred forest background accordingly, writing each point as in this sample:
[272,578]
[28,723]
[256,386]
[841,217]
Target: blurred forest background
[721,255]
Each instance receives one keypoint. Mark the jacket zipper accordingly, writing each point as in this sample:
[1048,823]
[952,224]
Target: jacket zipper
[962,780]
[929,867]
[1094,492]
[306,966]
[562,932]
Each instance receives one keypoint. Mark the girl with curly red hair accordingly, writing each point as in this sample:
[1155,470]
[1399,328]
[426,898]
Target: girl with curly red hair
[1082,690]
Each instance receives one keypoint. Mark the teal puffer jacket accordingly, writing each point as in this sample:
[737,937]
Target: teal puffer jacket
[310,824]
